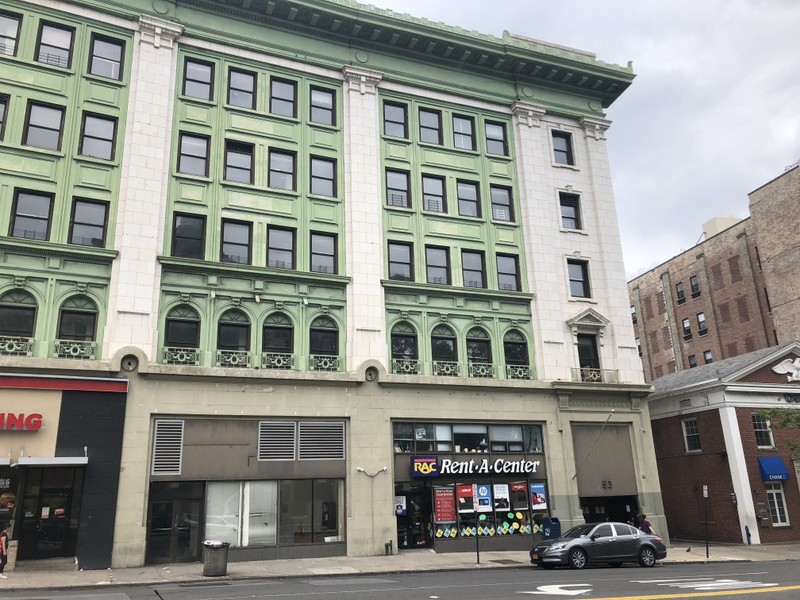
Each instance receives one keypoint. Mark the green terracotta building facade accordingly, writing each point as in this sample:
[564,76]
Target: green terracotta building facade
[319,251]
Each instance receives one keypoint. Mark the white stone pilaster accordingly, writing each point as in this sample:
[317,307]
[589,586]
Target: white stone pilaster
[135,277]
[364,252]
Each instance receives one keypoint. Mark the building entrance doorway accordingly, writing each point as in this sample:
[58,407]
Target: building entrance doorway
[414,513]
[50,511]
[609,508]
[174,522]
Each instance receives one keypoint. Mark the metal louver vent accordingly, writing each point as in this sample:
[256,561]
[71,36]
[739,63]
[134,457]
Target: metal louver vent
[167,448]
[277,440]
[687,403]
[321,440]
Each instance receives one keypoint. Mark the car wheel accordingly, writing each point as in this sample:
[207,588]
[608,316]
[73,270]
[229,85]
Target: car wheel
[577,559]
[647,557]
[615,564]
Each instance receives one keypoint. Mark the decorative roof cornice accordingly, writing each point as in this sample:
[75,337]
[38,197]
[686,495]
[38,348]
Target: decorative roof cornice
[518,59]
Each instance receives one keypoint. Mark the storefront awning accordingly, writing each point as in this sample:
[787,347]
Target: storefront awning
[773,468]
[52,461]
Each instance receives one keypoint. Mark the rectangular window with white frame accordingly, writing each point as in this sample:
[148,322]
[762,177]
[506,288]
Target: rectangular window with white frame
[763,431]
[691,435]
[777,503]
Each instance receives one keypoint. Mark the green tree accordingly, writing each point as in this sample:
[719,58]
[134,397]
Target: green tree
[783,419]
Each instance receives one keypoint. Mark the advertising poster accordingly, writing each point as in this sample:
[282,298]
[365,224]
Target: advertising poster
[483,497]
[538,496]
[400,507]
[444,505]
[465,496]
[502,501]
[519,496]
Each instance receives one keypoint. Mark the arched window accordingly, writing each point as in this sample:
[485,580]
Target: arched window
[17,314]
[17,323]
[77,320]
[323,345]
[515,351]
[182,328]
[233,340]
[444,351]
[277,342]
[479,353]
[182,336]
[479,346]
[233,332]
[324,337]
[405,354]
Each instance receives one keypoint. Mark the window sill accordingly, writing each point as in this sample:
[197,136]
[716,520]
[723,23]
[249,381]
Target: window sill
[568,230]
[190,177]
[107,80]
[586,300]
[324,198]
[568,167]
[200,101]
[325,126]
[96,161]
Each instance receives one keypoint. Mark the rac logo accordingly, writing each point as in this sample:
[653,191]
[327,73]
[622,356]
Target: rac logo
[424,466]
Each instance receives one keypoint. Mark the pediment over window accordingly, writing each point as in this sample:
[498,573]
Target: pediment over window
[588,321]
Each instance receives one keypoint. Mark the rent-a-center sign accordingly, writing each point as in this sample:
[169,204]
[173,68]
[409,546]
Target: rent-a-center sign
[434,466]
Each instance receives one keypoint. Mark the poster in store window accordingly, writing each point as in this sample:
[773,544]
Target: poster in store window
[538,496]
[400,506]
[465,494]
[483,497]
[519,496]
[502,501]
[444,505]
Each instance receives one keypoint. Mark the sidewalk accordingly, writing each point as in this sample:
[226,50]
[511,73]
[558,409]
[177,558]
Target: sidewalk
[407,561]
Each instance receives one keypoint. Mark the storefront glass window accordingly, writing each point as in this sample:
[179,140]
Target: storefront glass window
[262,513]
[222,512]
[533,439]
[295,513]
[328,510]
[470,438]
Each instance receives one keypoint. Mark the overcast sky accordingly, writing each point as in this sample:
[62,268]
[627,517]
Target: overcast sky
[714,111]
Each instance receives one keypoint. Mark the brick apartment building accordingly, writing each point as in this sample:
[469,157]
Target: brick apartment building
[731,301]
[734,293]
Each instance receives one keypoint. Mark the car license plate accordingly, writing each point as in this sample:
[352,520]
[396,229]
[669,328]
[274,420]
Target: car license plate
[535,557]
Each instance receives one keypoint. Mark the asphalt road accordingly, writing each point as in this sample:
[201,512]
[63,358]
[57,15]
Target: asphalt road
[732,581]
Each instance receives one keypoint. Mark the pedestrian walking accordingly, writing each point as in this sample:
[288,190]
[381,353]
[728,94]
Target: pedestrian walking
[5,529]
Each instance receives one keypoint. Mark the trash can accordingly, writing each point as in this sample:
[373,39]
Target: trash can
[551,527]
[215,558]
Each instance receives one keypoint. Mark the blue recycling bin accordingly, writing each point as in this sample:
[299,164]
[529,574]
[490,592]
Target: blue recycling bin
[551,527]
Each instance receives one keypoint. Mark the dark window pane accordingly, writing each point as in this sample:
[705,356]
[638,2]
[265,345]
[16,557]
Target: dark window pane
[400,262]
[324,342]
[77,325]
[193,155]
[234,337]
[188,237]
[463,133]
[280,252]
[468,199]
[323,178]
[433,194]
[281,170]
[323,253]
[562,148]
[239,162]
[496,139]
[397,189]
[501,204]
[88,224]
[430,127]
[17,321]
[278,339]
[182,333]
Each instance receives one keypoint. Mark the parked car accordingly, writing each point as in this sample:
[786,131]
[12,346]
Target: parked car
[608,542]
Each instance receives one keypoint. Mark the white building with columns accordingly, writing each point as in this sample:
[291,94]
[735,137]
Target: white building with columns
[318,250]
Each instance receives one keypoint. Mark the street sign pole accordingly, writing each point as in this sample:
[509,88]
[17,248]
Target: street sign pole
[705,495]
